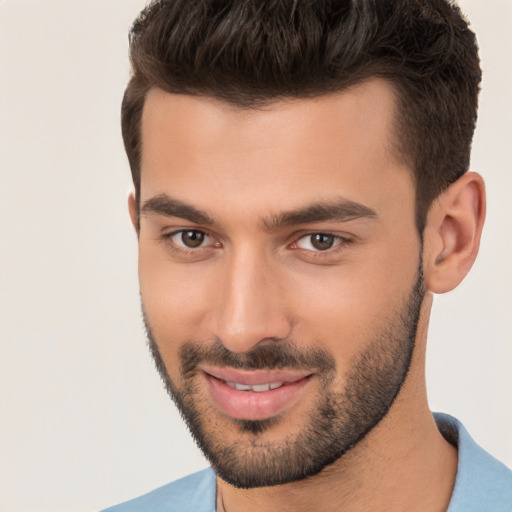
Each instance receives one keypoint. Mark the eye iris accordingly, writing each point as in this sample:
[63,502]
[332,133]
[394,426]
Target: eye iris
[192,238]
[321,241]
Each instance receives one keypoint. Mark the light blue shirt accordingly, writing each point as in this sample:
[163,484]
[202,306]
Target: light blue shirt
[482,484]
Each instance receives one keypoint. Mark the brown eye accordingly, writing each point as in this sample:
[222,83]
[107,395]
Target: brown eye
[319,242]
[322,242]
[191,239]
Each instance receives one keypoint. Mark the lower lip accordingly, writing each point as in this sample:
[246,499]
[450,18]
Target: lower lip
[254,405]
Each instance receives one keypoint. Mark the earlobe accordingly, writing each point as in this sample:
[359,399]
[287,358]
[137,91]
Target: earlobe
[453,231]
[133,210]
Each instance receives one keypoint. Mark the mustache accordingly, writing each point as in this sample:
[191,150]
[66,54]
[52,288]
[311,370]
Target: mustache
[273,355]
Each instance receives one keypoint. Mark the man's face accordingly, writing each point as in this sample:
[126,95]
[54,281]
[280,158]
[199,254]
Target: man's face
[280,274]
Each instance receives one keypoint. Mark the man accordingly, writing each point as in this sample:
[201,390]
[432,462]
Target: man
[301,192]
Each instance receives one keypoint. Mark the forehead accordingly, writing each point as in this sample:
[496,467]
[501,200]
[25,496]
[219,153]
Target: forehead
[367,108]
[290,150]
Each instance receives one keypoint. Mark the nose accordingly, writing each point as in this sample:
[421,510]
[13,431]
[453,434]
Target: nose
[251,309]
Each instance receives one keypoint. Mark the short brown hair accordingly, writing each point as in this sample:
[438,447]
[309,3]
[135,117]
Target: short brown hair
[253,52]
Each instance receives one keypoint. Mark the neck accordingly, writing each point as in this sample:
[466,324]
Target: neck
[403,464]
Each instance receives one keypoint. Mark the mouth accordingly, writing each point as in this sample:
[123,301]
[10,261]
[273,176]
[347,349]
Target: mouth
[254,395]
[258,388]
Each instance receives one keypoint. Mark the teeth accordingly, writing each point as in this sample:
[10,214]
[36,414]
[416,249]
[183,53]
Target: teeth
[257,387]
[242,387]
[261,387]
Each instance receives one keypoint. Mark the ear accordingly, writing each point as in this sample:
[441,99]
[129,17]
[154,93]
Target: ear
[133,210]
[452,233]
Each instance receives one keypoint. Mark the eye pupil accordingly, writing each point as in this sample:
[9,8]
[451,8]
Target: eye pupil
[192,238]
[321,241]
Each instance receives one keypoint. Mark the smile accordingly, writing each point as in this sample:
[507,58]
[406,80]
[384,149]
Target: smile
[254,395]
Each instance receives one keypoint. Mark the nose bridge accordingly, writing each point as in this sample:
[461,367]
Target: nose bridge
[251,309]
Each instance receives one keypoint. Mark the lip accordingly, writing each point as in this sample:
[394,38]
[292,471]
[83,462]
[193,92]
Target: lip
[254,377]
[254,405]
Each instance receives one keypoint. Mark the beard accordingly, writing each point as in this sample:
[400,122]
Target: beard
[338,421]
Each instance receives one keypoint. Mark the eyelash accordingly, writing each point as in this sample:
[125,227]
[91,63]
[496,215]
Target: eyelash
[340,243]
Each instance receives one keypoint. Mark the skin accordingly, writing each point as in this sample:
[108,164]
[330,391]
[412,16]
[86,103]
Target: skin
[250,285]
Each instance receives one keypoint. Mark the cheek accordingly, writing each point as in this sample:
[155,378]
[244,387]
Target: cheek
[347,308]
[174,300]
[170,290]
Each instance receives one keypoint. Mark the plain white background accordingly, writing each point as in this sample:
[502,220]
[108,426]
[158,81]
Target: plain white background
[84,420]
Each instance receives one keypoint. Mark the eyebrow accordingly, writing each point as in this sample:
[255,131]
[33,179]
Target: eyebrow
[340,210]
[170,207]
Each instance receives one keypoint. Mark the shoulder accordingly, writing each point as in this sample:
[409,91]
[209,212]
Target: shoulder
[195,492]
[482,483]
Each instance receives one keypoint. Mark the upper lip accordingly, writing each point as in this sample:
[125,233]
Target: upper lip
[254,377]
